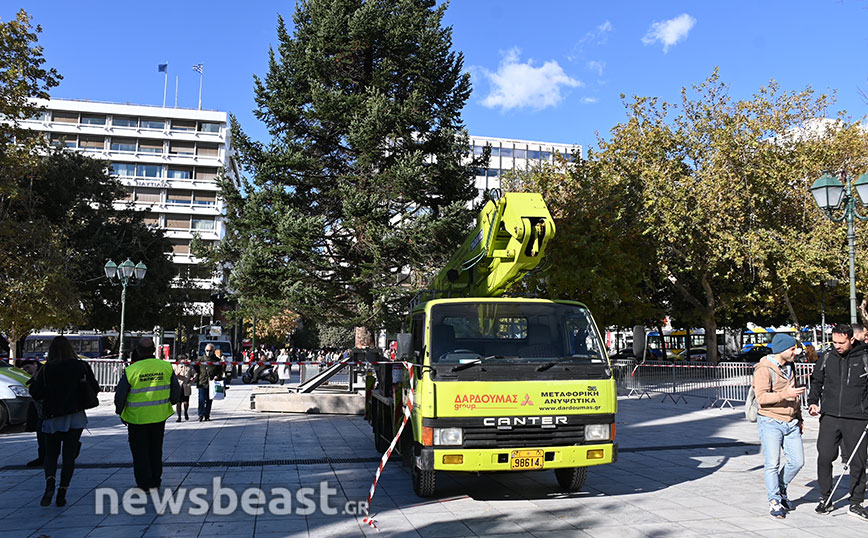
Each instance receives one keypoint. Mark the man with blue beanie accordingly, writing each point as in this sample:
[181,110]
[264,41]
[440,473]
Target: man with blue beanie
[779,419]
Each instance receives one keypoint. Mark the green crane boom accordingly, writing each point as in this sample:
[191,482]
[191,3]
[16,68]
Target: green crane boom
[509,241]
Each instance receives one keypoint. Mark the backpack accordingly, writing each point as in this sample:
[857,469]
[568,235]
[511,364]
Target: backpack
[751,406]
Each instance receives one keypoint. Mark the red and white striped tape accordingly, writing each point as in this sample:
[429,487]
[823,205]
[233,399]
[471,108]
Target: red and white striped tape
[408,409]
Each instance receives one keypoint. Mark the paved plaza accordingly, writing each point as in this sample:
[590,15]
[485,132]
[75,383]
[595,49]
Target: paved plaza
[683,471]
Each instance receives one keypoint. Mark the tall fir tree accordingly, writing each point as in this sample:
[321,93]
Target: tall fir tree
[367,170]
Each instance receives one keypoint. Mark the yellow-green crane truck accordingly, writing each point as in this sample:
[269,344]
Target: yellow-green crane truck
[501,383]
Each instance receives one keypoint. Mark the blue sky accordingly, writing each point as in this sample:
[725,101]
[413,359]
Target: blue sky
[548,71]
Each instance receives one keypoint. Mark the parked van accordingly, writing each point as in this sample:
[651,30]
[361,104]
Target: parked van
[15,397]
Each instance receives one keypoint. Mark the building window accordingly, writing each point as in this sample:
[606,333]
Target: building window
[206,150]
[91,143]
[149,170]
[200,272]
[151,123]
[206,127]
[128,196]
[125,121]
[477,150]
[181,148]
[151,146]
[41,115]
[206,174]
[520,154]
[506,152]
[205,198]
[546,155]
[148,196]
[63,141]
[89,119]
[65,117]
[179,222]
[183,125]
[123,169]
[152,219]
[179,197]
[533,154]
[180,173]
[495,151]
[205,225]
[123,144]
[180,246]
[493,172]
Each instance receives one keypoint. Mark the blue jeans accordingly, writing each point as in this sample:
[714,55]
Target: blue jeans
[204,403]
[775,435]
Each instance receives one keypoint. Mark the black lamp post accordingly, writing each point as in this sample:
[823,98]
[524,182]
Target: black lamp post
[831,195]
[124,275]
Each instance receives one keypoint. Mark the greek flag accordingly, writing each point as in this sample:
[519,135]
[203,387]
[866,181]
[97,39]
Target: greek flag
[199,68]
[163,68]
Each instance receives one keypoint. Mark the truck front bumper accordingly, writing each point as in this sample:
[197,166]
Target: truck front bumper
[497,459]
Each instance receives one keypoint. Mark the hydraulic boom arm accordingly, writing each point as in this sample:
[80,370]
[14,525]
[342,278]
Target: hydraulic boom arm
[509,241]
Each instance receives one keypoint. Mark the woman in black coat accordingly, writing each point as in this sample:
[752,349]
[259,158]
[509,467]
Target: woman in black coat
[61,385]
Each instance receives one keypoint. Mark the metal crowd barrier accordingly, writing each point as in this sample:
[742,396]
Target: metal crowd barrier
[107,372]
[724,384]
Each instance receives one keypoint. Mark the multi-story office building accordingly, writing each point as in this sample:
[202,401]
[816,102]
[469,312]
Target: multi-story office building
[167,158]
[508,154]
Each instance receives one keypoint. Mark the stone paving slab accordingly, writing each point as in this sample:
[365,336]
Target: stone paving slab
[712,488]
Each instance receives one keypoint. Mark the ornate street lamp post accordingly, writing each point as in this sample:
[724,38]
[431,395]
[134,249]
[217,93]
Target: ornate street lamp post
[831,195]
[124,275]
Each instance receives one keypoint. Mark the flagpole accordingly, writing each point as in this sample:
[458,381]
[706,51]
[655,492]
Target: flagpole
[165,83]
[200,90]
[176,91]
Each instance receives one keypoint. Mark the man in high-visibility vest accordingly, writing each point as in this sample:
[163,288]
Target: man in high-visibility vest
[144,398]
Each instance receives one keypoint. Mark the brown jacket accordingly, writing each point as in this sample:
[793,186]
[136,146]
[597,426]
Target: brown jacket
[770,398]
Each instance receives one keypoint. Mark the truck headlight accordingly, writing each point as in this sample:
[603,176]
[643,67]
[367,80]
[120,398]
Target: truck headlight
[19,391]
[448,436]
[597,432]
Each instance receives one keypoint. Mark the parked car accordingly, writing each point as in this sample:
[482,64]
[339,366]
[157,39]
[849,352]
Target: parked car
[754,354]
[15,398]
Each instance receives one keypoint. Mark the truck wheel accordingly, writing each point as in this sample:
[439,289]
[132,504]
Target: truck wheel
[572,478]
[424,482]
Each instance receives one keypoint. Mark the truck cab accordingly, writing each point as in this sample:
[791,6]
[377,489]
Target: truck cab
[507,384]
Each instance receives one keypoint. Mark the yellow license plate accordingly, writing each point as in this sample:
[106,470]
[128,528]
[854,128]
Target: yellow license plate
[525,460]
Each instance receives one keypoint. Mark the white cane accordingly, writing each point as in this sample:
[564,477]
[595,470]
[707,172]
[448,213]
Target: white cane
[846,468]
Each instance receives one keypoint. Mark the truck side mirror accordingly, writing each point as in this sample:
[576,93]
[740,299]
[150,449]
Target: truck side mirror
[639,342]
[405,347]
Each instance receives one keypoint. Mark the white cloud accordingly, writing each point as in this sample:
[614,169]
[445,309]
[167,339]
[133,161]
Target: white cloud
[669,32]
[521,85]
[595,38]
[589,100]
[597,67]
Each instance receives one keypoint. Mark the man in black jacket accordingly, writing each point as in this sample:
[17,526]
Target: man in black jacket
[207,373]
[840,381]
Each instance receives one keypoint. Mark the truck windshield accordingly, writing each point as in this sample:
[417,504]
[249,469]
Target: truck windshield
[513,332]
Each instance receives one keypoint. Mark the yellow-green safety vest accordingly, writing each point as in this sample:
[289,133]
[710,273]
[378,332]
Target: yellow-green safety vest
[150,384]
